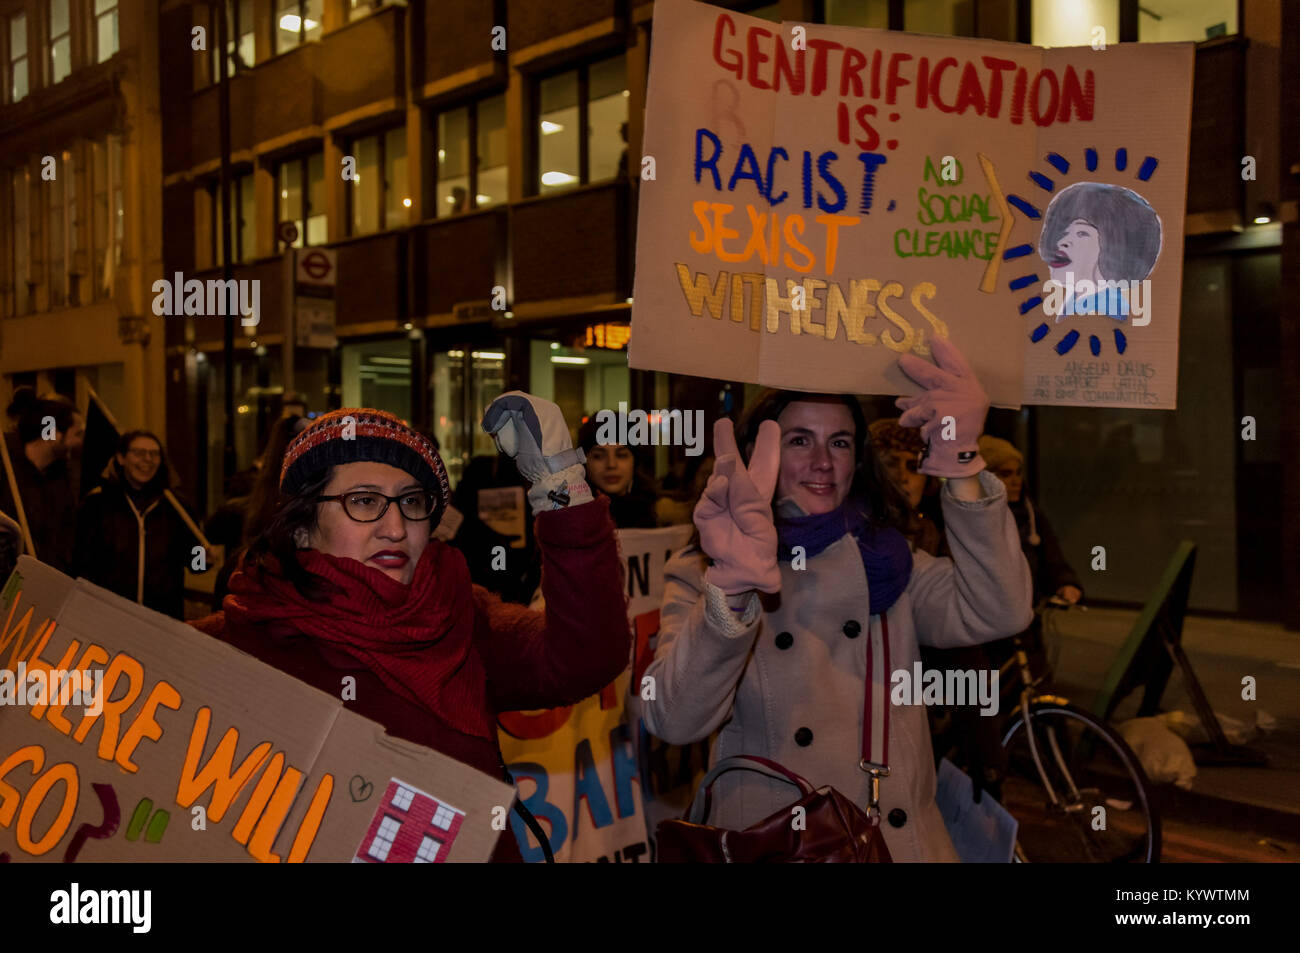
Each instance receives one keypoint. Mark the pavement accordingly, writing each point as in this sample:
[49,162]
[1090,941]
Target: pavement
[1264,800]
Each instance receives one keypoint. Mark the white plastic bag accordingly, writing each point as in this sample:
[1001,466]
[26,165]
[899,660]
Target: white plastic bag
[1164,755]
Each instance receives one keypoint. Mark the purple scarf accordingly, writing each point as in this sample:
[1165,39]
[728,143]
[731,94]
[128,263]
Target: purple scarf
[885,554]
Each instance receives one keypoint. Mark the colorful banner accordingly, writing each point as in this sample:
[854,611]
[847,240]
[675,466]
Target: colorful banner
[817,200]
[597,783]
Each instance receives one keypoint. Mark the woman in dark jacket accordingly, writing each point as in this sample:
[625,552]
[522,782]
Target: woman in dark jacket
[130,539]
[614,470]
[347,579]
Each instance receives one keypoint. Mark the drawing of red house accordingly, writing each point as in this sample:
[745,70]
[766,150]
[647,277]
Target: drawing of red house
[409,827]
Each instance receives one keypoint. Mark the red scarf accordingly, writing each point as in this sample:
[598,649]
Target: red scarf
[419,639]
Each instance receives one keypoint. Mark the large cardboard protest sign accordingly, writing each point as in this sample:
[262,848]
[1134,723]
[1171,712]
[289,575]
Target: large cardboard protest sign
[592,776]
[185,749]
[816,201]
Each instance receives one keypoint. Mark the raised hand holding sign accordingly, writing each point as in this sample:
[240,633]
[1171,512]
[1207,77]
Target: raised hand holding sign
[950,412]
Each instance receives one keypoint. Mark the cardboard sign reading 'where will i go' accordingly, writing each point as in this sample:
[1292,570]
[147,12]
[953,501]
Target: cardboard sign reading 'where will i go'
[827,198]
[282,772]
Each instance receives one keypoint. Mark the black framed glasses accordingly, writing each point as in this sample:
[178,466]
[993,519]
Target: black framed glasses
[366,506]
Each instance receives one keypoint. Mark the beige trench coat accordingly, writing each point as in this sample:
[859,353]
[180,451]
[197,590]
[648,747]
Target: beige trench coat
[788,682]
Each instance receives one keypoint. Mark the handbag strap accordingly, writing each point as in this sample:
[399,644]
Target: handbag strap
[875,708]
[875,735]
[703,802]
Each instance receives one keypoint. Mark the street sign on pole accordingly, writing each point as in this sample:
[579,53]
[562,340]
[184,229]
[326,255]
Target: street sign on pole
[316,266]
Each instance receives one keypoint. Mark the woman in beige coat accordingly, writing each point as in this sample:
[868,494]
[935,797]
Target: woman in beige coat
[811,522]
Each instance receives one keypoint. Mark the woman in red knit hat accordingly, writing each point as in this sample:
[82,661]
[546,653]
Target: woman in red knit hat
[347,581]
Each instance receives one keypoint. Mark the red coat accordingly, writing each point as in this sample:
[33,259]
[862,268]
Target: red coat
[532,660]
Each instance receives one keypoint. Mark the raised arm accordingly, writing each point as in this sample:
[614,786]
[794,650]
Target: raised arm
[700,654]
[983,592]
[581,641]
[709,618]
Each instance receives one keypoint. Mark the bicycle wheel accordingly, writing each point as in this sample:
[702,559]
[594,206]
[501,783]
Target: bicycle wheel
[1103,811]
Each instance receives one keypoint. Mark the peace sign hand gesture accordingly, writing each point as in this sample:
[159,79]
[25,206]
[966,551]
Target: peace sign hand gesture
[734,515]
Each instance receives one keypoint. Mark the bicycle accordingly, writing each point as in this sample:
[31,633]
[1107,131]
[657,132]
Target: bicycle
[1073,784]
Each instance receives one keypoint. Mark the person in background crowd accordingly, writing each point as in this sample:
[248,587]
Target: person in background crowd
[615,470]
[521,575]
[42,472]
[129,537]
[900,450]
[1051,571]
[960,733]
[782,675]
[346,579]
[255,511]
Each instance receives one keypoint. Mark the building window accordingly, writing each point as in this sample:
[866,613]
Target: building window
[1189,21]
[362,8]
[60,212]
[17,79]
[304,206]
[240,39]
[243,212]
[582,125]
[105,29]
[402,799]
[246,212]
[472,170]
[19,299]
[60,41]
[868,13]
[296,22]
[384,837]
[105,214]
[428,852]
[990,19]
[766,11]
[1057,24]
[378,373]
[115,177]
[379,198]
[54,257]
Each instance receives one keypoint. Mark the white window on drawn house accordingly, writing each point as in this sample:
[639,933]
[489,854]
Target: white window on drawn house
[443,817]
[428,852]
[384,838]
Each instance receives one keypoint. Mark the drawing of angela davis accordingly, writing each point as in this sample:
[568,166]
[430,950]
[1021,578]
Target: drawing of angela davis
[1094,233]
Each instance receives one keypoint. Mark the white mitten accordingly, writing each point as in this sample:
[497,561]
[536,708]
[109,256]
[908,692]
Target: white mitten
[532,431]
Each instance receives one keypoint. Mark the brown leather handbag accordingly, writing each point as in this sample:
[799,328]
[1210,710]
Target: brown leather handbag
[833,829]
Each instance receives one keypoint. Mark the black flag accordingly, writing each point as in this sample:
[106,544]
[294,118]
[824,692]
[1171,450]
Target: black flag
[98,448]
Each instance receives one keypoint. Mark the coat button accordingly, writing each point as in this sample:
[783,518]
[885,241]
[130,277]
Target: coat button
[784,640]
[898,817]
[803,737]
[853,628]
